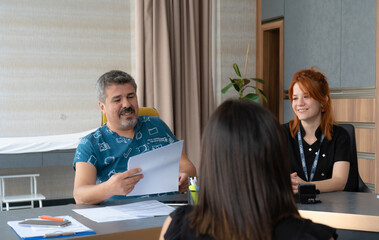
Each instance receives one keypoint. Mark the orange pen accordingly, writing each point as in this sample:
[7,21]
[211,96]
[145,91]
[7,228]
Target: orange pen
[52,218]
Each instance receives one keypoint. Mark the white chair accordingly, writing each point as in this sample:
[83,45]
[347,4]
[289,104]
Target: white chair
[33,196]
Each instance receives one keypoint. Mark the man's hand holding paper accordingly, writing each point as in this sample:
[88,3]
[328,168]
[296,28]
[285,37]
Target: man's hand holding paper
[160,168]
[123,183]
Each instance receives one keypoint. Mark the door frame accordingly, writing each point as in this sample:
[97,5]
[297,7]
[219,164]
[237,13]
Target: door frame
[261,28]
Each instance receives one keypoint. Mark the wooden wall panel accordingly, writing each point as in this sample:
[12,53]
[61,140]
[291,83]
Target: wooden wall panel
[360,110]
[354,110]
[366,140]
[367,170]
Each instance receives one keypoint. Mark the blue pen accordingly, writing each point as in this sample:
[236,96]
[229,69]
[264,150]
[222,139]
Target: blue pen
[195,183]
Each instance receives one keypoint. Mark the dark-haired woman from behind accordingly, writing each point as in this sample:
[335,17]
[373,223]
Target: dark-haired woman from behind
[245,186]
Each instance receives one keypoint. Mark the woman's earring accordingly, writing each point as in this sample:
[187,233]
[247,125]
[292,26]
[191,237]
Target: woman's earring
[322,109]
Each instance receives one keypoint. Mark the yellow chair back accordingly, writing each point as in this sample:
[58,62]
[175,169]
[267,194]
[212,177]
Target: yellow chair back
[142,111]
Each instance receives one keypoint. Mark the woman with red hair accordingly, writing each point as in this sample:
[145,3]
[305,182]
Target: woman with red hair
[318,148]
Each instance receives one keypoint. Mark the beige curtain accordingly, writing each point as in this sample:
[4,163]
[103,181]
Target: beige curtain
[173,48]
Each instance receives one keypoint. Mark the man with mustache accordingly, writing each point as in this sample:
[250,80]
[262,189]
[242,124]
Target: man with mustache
[101,157]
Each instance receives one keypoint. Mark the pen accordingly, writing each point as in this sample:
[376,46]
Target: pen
[52,218]
[57,234]
[193,181]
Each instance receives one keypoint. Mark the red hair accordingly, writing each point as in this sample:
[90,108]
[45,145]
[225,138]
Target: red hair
[316,85]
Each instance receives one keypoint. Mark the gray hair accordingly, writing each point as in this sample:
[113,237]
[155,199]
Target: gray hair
[110,78]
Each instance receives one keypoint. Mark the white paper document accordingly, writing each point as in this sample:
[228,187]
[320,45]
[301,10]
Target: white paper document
[143,209]
[160,168]
[41,232]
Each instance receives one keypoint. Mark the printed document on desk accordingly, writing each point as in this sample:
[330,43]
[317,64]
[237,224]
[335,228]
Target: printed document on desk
[46,232]
[143,209]
[160,168]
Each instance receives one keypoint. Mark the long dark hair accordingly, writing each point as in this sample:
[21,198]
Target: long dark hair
[245,186]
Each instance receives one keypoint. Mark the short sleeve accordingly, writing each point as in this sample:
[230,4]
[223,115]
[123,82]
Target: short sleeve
[318,231]
[85,153]
[178,222]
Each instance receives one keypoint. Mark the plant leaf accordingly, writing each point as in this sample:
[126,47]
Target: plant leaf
[225,89]
[237,70]
[245,81]
[261,93]
[257,80]
[253,97]
[236,84]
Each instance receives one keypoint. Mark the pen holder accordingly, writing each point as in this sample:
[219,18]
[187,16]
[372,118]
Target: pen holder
[193,191]
[192,197]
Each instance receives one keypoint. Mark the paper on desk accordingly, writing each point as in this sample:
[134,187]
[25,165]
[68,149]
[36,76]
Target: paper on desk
[37,232]
[129,211]
[160,168]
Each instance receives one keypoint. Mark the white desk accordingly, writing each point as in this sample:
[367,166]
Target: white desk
[355,215]
[149,228]
[141,229]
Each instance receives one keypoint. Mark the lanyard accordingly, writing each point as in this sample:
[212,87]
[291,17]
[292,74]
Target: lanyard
[303,163]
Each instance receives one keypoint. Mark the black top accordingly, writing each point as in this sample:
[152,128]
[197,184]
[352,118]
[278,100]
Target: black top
[289,228]
[335,150]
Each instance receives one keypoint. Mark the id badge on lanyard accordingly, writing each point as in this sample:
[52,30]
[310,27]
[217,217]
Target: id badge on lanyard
[302,156]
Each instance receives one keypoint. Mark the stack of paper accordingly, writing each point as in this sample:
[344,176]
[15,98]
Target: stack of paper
[43,232]
[136,210]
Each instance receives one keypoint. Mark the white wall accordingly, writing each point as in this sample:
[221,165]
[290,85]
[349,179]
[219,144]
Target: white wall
[234,28]
[51,54]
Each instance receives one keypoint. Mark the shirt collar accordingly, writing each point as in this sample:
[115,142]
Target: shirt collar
[317,133]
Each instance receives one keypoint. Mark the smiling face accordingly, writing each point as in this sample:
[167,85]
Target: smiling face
[306,108]
[120,107]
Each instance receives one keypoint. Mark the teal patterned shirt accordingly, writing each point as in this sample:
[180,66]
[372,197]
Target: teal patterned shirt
[110,153]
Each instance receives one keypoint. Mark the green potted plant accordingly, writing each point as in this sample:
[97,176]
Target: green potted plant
[242,83]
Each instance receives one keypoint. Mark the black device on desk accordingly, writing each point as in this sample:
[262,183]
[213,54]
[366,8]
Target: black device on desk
[307,194]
